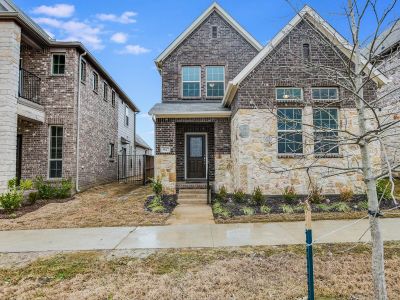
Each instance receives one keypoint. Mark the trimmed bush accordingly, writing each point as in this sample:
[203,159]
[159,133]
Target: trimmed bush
[289,194]
[12,199]
[239,196]
[221,195]
[33,197]
[257,198]
[265,209]
[346,195]
[56,190]
[248,211]
[220,211]
[156,185]
[287,209]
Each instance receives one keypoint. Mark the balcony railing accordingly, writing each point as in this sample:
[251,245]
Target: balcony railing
[29,86]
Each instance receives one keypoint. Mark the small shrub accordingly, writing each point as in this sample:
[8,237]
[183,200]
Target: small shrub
[221,194]
[363,205]
[156,201]
[158,209]
[239,196]
[156,185]
[346,195]
[287,209]
[248,211]
[323,207]
[257,198]
[25,184]
[33,197]
[265,209]
[315,195]
[383,189]
[57,190]
[299,208]
[289,194]
[64,190]
[11,200]
[220,211]
[341,207]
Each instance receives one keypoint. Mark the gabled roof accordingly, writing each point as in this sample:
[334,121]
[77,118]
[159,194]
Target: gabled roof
[325,29]
[141,142]
[13,12]
[386,41]
[213,7]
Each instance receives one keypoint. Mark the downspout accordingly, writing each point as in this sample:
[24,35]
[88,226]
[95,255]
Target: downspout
[78,121]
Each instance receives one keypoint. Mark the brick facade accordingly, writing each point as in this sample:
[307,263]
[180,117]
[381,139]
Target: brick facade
[229,49]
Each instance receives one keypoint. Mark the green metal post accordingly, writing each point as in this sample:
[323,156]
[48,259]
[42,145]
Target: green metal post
[309,250]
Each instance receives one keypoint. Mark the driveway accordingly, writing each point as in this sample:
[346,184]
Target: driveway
[190,236]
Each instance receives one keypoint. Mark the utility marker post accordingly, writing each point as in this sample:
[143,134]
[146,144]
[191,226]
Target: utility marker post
[310,265]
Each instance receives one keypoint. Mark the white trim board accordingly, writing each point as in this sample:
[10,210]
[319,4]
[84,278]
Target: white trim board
[325,29]
[213,7]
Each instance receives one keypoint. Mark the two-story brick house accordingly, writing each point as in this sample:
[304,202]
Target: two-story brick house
[234,111]
[59,107]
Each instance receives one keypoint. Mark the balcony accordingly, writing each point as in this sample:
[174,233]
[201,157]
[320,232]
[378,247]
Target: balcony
[29,106]
[29,86]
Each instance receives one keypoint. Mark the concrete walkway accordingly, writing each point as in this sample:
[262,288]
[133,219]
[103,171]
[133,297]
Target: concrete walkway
[184,236]
[191,214]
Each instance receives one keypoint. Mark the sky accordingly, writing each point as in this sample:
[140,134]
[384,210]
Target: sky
[127,35]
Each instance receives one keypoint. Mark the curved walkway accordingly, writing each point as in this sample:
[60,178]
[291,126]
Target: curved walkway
[189,236]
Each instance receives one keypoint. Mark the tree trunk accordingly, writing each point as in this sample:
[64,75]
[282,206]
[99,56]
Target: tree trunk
[378,262]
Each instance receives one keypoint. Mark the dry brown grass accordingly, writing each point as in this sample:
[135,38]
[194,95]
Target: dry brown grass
[112,204]
[230,273]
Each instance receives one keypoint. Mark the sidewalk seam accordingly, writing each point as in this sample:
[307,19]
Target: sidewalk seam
[124,238]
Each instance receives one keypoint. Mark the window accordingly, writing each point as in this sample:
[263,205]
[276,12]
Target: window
[113,98]
[289,94]
[306,52]
[56,152]
[58,64]
[191,81]
[105,91]
[325,127]
[111,150]
[83,71]
[214,32]
[126,116]
[95,82]
[215,77]
[290,136]
[325,93]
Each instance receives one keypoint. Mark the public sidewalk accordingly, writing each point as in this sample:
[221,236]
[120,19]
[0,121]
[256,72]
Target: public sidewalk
[188,236]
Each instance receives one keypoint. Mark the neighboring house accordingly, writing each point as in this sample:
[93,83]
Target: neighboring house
[220,88]
[59,107]
[142,148]
[387,56]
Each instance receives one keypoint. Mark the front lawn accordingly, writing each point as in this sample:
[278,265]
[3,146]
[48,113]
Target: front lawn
[342,271]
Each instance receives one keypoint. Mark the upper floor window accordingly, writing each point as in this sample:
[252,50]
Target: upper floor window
[105,91]
[56,152]
[113,98]
[306,52]
[83,71]
[58,64]
[289,94]
[215,77]
[214,31]
[126,115]
[95,81]
[290,134]
[111,150]
[190,82]
[325,93]
[326,130]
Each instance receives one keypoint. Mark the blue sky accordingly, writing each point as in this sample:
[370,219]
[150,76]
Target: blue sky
[126,35]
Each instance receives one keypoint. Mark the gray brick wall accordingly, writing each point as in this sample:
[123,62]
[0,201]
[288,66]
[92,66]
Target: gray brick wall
[229,49]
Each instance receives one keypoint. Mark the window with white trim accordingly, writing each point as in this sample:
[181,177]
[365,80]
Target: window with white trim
[290,134]
[215,79]
[126,115]
[326,131]
[83,71]
[283,94]
[59,64]
[191,81]
[111,150]
[113,98]
[105,91]
[95,81]
[325,93]
[56,152]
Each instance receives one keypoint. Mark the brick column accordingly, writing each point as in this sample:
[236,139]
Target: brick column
[10,39]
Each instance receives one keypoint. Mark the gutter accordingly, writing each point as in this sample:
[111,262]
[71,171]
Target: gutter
[78,122]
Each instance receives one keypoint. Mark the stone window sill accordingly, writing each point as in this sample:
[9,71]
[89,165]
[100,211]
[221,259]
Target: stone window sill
[328,155]
[290,155]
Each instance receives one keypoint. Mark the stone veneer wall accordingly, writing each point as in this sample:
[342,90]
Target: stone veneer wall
[255,158]
[10,37]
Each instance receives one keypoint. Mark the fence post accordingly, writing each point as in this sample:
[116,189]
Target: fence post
[144,169]
[309,250]
[118,166]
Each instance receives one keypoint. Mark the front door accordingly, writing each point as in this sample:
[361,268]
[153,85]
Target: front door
[196,160]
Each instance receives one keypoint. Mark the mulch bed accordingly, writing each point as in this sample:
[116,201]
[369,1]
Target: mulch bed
[26,208]
[169,202]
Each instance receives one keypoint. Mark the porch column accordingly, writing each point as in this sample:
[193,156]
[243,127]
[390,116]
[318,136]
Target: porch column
[10,39]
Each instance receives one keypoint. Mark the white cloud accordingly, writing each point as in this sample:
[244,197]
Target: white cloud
[134,49]
[57,10]
[75,31]
[124,18]
[119,37]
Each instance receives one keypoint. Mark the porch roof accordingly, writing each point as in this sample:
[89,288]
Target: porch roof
[187,109]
